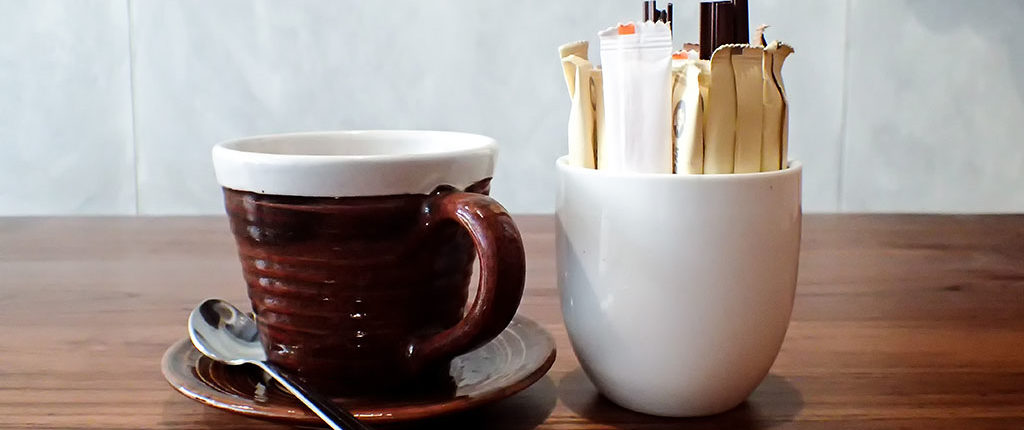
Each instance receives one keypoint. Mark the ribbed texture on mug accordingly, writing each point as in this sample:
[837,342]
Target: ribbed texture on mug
[341,286]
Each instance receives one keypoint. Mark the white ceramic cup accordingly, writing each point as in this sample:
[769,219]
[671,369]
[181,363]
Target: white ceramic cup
[677,289]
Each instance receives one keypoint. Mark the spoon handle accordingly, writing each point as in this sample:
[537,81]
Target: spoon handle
[335,417]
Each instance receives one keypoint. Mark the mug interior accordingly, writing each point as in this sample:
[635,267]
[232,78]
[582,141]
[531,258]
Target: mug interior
[361,143]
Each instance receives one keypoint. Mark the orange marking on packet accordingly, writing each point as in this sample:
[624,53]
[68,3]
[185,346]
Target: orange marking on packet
[680,55]
[627,28]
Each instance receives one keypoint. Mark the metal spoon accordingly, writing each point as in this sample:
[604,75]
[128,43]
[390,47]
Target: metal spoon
[224,333]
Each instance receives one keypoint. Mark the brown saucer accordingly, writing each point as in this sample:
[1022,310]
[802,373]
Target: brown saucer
[514,360]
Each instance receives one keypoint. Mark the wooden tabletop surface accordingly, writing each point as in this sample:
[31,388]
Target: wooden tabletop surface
[911,322]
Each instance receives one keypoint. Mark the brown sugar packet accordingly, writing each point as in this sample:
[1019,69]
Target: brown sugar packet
[759,36]
[597,99]
[688,116]
[579,81]
[579,49]
[720,112]
[746,65]
[775,139]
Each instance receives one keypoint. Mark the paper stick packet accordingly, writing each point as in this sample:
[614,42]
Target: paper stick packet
[597,97]
[774,105]
[581,115]
[636,63]
[776,123]
[579,49]
[705,86]
[759,36]
[579,81]
[688,116]
[720,113]
[746,66]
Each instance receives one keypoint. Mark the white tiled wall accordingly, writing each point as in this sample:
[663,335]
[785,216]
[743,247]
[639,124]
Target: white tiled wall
[65,108]
[111,106]
[938,124]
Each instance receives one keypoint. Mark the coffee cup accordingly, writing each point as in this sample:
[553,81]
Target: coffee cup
[677,289]
[357,249]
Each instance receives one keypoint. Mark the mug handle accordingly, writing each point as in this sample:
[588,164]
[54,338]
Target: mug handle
[499,247]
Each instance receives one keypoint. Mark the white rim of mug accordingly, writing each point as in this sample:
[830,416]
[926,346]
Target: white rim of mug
[406,162]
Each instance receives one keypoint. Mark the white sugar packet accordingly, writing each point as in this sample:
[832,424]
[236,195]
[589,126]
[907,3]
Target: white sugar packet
[636,60]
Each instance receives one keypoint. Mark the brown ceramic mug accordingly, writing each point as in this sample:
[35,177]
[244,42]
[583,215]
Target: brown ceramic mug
[357,249]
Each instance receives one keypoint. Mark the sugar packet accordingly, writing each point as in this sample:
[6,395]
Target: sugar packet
[636,62]
[582,128]
[749,75]
[688,114]
[746,118]
[720,119]
[775,139]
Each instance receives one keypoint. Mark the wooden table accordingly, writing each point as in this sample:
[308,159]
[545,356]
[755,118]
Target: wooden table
[900,322]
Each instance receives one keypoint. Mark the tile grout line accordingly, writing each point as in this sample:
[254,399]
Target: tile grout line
[131,95]
[840,202]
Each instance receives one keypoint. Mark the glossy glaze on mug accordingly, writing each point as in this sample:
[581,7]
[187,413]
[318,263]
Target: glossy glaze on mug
[342,286]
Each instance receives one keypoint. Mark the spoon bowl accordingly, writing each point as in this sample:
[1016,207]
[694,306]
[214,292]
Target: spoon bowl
[222,332]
